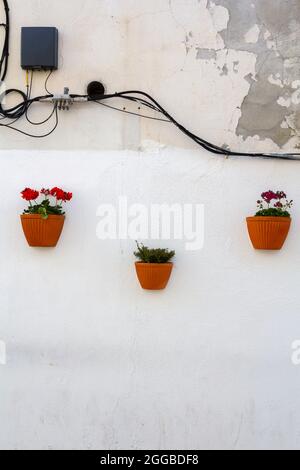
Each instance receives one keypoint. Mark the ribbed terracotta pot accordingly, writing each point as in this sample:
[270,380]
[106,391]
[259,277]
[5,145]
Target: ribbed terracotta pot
[42,232]
[268,233]
[154,276]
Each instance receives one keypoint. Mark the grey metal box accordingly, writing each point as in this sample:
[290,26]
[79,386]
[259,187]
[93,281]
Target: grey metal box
[39,48]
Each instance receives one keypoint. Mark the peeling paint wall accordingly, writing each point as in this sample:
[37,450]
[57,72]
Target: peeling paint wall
[228,70]
[94,362]
[270,32]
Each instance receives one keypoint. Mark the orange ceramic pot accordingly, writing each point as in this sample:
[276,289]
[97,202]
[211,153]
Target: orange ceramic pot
[268,233]
[154,276]
[42,232]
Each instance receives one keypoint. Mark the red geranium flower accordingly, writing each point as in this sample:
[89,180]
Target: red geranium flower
[30,194]
[46,192]
[53,191]
[269,196]
[58,193]
[67,197]
[61,195]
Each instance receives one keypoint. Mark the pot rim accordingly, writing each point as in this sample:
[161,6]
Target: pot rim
[140,263]
[38,216]
[268,218]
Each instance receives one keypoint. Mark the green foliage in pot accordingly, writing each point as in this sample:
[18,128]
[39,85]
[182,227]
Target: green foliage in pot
[153,255]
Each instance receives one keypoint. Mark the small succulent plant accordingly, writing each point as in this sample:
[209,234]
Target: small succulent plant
[153,255]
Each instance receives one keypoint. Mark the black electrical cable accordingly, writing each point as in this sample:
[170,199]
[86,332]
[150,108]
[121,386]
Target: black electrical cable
[143,102]
[30,86]
[32,135]
[16,111]
[203,143]
[129,112]
[26,113]
[141,98]
[46,83]
[207,145]
[40,122]
[10,112]
[5,50]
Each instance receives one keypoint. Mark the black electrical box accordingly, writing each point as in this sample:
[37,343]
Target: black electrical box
[39,48]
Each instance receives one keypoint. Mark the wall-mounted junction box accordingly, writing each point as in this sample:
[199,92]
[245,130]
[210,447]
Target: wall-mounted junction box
[39,48]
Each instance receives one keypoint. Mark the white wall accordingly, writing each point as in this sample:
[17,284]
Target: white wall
[92,360]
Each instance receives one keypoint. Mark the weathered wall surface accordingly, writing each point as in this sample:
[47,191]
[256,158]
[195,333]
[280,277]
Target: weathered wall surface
[270,31]
[92,360]
[227,70]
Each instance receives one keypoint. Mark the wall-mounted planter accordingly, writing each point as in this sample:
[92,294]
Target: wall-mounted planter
[154,276]
[268,233]
[41,232]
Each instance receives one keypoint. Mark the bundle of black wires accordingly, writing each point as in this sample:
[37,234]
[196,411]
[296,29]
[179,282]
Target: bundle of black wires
[144,99]
[10,116]
[5,50]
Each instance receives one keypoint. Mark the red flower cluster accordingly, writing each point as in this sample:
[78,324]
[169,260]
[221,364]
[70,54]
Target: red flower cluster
[280,205]
[270,196]
[46,206]
[60,194]
[30,194]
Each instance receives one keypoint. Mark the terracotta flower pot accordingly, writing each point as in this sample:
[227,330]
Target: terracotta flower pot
[268,233]
[154,276]
[42,232]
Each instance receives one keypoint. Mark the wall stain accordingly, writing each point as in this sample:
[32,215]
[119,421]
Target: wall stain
[272,102]
[206,54]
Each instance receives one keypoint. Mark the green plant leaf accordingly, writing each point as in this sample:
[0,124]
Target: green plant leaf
[272,212]
[43,212]
[150,255]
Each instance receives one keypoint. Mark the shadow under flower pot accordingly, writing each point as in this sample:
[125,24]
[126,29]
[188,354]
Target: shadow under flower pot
[41,232]
[268,233]
[154,276]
